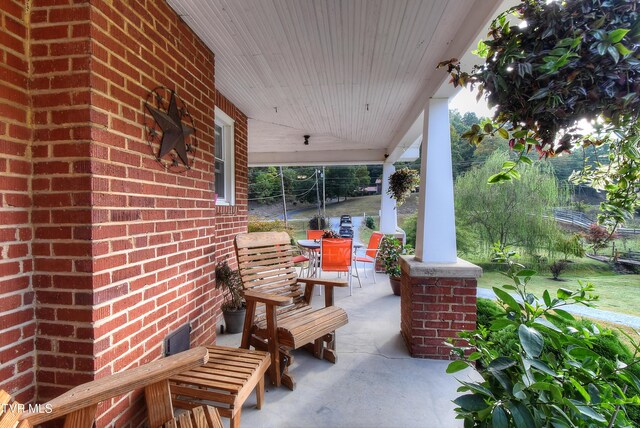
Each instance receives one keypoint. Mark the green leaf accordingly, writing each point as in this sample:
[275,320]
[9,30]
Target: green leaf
[541,366]
[582,353]
[526,272]
[471,402]
[531,340]
[498,178]
[616,35]
[564,314]
[501,363]
[508,164]
[501,323]
[456,366]
[545,322]
[499,418]
[622,49]
[476,387]
[580,390]
[526,160]
[588,411]
[474,356]
[518,391]
[521,415]
[508,299]
[547,298]
[503,133]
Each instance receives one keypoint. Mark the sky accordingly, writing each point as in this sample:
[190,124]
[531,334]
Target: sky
[465,101]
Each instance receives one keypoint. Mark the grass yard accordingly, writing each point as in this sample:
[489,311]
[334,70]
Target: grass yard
[618,293]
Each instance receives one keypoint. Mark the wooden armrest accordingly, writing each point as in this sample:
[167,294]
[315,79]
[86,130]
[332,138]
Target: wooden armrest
[325,282]
[268,299]
[107,387]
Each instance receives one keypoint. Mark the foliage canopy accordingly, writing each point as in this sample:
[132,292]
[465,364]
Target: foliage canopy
[558,63]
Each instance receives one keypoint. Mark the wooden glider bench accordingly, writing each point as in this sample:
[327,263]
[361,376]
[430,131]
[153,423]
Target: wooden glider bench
[79,404]
[279,314]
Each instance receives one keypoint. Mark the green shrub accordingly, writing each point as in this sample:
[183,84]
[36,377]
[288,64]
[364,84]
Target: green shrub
[260,225]
[370,222]
[488,311]
[318,223]
[541,367]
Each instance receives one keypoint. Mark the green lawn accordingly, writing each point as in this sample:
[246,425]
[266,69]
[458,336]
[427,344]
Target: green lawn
[618,293]
[353,206]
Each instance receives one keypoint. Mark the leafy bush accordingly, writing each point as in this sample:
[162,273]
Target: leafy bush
[259,225]
[556,268]
[488,311]
[318,223]
[370,222]
[551,375]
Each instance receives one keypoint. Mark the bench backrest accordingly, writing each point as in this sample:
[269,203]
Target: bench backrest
[79,404]
[265,264]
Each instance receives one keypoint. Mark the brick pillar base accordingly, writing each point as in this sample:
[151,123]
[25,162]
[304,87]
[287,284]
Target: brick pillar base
[438,300]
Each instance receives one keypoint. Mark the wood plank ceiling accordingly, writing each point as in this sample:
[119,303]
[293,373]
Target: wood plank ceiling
[353,74]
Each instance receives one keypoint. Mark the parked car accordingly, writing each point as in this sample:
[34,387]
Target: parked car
[345,220]
[346,231]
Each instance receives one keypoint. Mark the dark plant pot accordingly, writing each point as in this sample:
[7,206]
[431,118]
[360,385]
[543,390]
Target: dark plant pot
[395,285]
[234,320]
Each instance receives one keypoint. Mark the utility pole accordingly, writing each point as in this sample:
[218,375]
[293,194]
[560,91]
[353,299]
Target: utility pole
[317,192]
[324,193]
[284,200]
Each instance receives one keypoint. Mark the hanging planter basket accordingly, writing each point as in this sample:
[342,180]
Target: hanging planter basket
[402,183]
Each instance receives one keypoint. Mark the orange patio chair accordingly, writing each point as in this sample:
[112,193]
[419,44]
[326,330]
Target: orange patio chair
[370,255]
[336,255]
[315,234]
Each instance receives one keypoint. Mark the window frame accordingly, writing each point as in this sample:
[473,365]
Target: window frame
[227,124]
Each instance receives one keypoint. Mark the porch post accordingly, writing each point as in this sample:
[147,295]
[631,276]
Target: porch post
[438,292]
[388,212]
[436,228]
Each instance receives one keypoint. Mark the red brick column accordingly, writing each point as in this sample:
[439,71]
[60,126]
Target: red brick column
[437,301]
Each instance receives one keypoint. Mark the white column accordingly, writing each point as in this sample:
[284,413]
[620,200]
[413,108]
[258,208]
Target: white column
[388,212]
[436,231]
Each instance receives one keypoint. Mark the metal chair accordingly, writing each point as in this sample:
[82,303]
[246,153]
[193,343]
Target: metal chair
[315,234]
[370,255]
[336,255]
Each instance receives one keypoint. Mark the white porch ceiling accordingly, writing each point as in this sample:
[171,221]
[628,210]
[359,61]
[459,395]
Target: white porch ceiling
[353,74]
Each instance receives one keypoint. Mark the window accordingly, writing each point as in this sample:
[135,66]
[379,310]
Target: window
[224,169]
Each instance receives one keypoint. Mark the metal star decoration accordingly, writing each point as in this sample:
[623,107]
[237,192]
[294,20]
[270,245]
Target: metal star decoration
[174,131]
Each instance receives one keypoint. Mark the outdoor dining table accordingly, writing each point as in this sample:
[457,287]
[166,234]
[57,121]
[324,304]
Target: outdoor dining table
[312,246]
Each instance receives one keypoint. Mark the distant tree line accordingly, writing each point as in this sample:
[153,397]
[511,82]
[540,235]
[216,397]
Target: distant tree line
[340,182]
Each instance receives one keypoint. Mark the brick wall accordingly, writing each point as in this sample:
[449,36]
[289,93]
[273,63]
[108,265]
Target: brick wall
[17,326]
[123,251]
[61,185]
[231,220]
[433,310]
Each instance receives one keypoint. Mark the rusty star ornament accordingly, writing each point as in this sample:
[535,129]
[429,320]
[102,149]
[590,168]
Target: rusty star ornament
[170,130]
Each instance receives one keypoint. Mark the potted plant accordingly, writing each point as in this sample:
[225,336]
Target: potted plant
[389,254]
[330,234]
[402,183]
[233,308]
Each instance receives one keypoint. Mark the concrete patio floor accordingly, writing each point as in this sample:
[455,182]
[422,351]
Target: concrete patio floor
[375,383]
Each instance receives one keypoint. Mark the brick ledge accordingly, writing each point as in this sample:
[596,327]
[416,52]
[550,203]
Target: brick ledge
[418,269]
